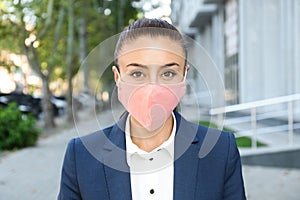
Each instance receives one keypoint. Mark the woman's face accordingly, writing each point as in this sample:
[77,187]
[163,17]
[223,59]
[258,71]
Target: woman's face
[155,60]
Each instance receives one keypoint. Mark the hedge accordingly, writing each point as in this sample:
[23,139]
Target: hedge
[16,129]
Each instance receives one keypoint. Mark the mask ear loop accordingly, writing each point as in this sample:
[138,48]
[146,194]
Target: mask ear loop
[185,72]
[119,80]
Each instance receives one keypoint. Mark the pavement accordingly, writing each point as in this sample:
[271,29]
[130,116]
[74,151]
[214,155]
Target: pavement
[34,173]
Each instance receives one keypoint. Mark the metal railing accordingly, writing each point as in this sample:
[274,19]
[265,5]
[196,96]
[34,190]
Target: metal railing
[254,116]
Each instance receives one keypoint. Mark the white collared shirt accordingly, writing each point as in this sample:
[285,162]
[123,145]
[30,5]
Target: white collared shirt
[151,174]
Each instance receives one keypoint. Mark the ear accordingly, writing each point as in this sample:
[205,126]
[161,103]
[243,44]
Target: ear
[116,74]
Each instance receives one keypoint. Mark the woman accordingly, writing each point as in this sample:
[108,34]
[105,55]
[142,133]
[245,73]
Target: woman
[152,152]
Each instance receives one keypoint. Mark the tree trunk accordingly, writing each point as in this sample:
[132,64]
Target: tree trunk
[48,115]
[83,52]
[47,107]
[70,111]
[69,60]
[33,59]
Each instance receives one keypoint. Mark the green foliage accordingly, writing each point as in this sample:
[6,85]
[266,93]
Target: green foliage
[209,124]
[101,26]
[247,142]
[240,141]
[16,130]
[51,51]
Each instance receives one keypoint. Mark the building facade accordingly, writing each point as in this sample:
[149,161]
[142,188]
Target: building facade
[255,44]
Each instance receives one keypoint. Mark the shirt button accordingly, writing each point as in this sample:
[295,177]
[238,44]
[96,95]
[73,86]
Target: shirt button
[151,191]
[150,159]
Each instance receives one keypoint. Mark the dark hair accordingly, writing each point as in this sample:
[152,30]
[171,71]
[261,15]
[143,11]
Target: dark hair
[148,27]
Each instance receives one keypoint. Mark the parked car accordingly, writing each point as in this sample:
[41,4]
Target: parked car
[26,103]
[60,104]
[3,100]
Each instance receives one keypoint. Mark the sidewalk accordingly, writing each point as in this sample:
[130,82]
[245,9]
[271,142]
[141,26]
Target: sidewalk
[264,183]
[34,173]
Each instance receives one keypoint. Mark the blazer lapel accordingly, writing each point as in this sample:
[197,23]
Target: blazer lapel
[115,166]
[185,167]
[186,159]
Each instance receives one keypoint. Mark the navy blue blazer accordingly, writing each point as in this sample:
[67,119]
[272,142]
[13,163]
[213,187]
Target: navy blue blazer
[207,165]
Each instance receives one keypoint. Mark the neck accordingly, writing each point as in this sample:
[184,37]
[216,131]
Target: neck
[147,140]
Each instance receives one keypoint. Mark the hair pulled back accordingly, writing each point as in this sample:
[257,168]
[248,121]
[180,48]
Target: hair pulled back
[148,27]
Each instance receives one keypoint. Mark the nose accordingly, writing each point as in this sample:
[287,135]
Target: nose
[153,78]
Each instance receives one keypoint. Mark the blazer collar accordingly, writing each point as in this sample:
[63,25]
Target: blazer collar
[185,155]
[185,133]
[115,166]
[186,159]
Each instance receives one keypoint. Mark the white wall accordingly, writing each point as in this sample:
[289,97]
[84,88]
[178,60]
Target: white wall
[269,51]
[210,38]
[268,66]
[183,12]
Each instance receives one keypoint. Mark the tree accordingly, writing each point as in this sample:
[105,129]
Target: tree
[87,25]
[30,25]
[96,20]
[40,29]
[100,20]
[69,57]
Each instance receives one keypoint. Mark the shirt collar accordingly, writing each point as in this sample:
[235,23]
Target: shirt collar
[132,148]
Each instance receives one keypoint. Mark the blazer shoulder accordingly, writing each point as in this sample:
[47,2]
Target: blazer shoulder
[223,137]
[215,142]
[203,135]
[89,143]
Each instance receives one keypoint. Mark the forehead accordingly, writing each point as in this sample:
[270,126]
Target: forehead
[151,49]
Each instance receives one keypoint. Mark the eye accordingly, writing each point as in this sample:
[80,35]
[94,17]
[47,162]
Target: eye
[137,74]
[169,74]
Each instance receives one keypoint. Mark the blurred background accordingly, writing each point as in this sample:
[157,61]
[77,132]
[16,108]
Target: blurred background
[254,44]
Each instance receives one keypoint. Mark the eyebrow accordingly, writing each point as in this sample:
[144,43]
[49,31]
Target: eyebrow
[145,66]
[136,65]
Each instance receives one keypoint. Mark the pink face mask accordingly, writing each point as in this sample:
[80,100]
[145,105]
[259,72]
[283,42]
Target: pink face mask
[150,104]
